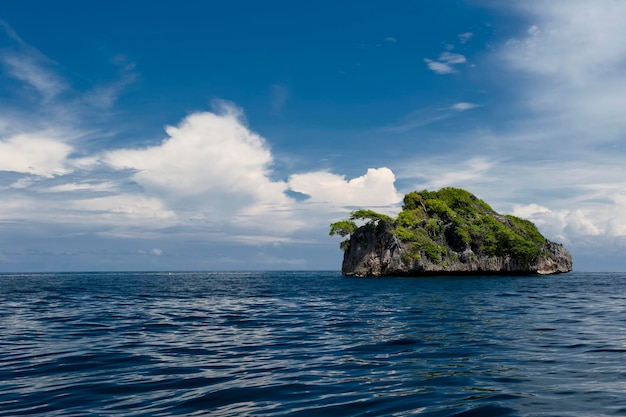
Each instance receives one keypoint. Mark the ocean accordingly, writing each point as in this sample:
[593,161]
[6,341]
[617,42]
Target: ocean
[311,344]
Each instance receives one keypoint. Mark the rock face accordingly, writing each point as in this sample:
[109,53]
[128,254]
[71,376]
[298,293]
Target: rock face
[377,252]
[445,233]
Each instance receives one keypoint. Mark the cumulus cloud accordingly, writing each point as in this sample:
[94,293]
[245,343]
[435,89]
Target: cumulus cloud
[204,152]
[34,154]
[579,224]
[375,188]
[208,158]
[213,167]
[565,225]
[210,174]
[529,210]
[599,221]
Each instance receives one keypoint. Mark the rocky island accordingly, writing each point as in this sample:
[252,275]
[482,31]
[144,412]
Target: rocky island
[446,232]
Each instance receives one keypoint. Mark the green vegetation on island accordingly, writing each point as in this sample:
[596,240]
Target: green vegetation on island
[440,224]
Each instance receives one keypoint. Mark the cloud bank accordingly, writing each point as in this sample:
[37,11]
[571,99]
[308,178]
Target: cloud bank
[211,170]
[211,175]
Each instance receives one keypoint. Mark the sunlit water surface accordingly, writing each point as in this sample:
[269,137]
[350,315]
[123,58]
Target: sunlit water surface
[311,343]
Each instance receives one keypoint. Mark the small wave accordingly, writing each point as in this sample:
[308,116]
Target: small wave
[301,344]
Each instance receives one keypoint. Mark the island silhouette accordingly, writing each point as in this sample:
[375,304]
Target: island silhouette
[446,232]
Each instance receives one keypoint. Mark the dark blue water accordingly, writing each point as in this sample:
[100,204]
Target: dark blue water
[307,344]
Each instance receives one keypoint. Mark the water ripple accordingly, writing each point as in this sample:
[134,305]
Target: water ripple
[306,344]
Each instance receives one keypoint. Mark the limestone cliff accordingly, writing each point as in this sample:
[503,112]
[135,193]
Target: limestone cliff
[446,232]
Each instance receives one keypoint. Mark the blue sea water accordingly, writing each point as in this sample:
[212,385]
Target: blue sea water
[311,343]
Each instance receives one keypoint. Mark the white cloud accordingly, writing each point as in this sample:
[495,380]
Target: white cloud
[565,225]
[433,173]
[87,213]
[212,168]
[26,69]
[439,67]
[526,211]
[211,174]
[375,188]
[206,152]
[573,39]
[34,154]
[452,58]
[118,209]
[579,224]
[445,63]
[29,65]
[616,227]
[426,116]
[463,106]
[99,186]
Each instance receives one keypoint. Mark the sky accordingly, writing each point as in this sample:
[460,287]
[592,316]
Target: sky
[206,135]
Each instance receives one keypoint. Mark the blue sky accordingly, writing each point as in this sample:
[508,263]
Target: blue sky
[201,135]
